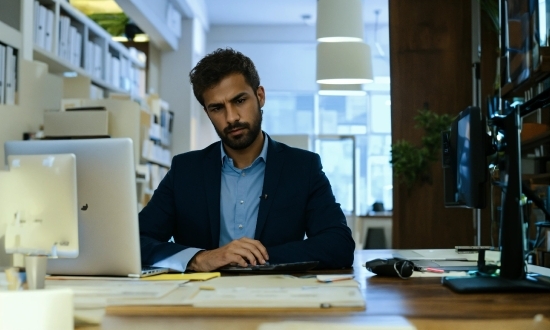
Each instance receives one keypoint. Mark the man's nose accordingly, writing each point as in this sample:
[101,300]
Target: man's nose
[232,114]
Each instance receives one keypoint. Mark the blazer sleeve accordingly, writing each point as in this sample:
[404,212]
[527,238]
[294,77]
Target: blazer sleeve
[329,239]
[157,222]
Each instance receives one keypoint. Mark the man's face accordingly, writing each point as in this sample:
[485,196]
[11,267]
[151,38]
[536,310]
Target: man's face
[234,110]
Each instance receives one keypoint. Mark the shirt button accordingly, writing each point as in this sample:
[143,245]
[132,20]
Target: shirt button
[242,202]
[240,226]
[244,174]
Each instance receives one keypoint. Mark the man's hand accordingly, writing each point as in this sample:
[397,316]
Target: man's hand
[242,252]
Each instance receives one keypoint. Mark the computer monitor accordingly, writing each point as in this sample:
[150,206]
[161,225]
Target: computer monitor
[511,275]
[107,200]
[465,160]
[39,205]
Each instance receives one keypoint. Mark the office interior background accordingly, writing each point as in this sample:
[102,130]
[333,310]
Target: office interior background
[351,133]
[417,48]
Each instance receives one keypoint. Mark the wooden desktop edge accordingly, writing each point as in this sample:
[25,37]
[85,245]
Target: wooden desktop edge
[176,310]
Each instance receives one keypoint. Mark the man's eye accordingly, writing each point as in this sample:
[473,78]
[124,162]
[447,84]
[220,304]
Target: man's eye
[241,100]
[214,109]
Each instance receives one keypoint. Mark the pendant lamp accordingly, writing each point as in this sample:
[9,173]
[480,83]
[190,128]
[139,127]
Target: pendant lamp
[339,20]
[344,63]
[342,90]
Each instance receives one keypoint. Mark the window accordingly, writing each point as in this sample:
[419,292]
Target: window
[352,134]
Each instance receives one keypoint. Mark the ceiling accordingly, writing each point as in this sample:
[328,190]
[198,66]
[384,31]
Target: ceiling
[280,12]
[254,12]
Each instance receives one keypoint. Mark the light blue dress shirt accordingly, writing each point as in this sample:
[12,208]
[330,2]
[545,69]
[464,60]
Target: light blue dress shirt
[239,204]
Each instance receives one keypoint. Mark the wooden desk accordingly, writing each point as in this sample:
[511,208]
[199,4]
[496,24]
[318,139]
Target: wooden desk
[423,301]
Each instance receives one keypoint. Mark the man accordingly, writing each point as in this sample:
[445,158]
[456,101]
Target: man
[244,200]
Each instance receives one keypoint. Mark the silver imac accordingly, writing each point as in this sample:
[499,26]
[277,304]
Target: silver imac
[107,204]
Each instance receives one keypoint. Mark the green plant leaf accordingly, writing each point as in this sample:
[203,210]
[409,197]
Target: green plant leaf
[412,163]
[114,23]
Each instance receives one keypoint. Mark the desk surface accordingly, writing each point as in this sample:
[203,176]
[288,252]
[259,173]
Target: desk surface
[423,301]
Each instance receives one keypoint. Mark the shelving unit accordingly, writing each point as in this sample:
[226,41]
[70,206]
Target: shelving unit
[109,64]
[73,57]
[156,139]
[525,62]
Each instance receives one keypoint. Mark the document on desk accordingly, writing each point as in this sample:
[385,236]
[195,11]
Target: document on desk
[98,293]
[373,323]
[279,297]
[259,291]
[277,291]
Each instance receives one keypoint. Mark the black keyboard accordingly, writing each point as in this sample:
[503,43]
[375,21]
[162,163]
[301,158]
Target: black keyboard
[291,266]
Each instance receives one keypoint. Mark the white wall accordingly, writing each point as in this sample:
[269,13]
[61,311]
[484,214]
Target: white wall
[285,56]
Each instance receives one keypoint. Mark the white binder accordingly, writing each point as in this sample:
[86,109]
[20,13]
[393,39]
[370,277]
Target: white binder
[41,33]
[48,37]
[2,74]
[9,76]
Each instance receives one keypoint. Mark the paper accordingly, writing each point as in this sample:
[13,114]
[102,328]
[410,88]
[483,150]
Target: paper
[333,278]
[37,309]
[430,274]
[182,277]
[311,325]
[278,297]
[538,270]
[98,293]
[275,291]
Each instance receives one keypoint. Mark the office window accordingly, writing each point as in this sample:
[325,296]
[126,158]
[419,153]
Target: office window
[352,134]
[288,113]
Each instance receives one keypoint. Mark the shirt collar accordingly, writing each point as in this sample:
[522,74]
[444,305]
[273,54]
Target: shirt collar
[263,154]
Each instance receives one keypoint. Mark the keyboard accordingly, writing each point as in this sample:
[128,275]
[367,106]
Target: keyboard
[291,266]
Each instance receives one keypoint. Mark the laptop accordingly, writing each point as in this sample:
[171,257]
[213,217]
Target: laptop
[108,228]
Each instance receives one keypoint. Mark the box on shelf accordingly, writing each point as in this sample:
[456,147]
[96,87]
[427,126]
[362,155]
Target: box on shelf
[76,123]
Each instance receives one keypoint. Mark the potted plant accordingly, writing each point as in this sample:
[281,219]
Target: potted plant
[412,163]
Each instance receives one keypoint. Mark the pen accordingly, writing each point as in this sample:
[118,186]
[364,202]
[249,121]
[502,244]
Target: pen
[433,270]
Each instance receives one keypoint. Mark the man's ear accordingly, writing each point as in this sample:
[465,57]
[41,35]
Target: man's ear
[260,94]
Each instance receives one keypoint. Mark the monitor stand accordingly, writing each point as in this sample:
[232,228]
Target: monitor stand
[487,284]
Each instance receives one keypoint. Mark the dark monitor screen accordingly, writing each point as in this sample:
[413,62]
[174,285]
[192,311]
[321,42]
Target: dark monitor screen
[464,160]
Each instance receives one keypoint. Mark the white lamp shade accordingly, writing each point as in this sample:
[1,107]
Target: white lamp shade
[339,20]
[342,90]
[343,63]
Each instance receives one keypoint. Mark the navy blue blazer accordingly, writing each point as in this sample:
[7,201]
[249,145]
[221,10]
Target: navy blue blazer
[186,206]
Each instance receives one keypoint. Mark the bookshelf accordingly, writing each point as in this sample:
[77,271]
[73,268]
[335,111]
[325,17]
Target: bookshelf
[62,54]
[74,44]
[524,79]
[156,137]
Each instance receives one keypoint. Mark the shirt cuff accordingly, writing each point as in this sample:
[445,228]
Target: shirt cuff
[179,260]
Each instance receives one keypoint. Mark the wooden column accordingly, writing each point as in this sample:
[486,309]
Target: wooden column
[430,53]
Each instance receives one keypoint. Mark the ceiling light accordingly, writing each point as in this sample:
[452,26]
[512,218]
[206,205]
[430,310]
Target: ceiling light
[343,63]
[339,21]
[341,90]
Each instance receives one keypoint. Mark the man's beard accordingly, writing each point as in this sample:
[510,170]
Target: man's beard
[244,140]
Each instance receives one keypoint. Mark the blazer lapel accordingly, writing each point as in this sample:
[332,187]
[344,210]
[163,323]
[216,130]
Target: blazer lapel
[212,179]
[273,171]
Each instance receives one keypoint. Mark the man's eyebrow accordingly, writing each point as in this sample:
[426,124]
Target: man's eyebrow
[233,99]
[213,105]
[238,96]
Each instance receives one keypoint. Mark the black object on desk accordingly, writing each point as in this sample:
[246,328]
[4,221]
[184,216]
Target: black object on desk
[267,267]
[394,267]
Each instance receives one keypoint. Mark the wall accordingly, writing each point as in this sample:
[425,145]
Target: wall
[42,92]
[285,56]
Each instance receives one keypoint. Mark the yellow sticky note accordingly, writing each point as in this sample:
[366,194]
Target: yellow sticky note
[182,277]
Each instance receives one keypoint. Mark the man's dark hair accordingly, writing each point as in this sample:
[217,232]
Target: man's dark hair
[219,64]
